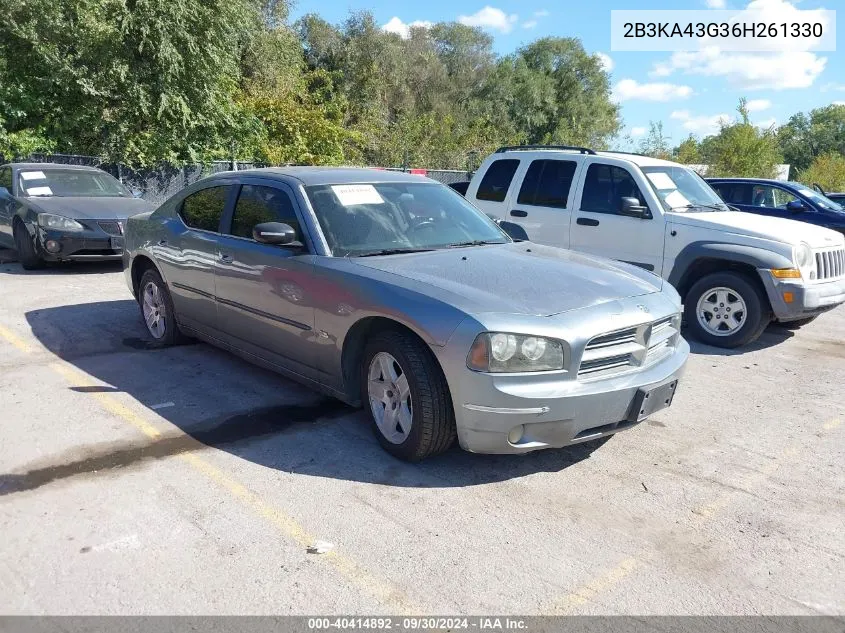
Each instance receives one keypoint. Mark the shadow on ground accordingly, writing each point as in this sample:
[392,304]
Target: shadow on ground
[219,401]
[771,336]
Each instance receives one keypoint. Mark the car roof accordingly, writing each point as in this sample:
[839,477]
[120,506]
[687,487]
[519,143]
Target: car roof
[641,159]
[543,152]
[329,175]
[49,166]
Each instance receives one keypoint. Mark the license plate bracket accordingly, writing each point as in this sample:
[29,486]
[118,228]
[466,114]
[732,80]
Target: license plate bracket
[117,243]
[651,400]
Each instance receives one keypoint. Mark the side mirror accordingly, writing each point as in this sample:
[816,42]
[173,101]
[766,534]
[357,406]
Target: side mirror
[274,233]
[796,206]
[632,208]
[4,193]
[514,231]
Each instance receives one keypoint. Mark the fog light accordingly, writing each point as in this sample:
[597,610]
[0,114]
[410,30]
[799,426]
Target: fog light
[516,434]
[53,246]
[787,297]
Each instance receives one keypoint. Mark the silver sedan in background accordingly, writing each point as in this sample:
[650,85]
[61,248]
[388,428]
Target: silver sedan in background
[392,292]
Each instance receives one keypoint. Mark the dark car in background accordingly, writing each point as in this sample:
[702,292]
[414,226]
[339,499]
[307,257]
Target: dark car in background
[837,197]
[781,199]
[51,212]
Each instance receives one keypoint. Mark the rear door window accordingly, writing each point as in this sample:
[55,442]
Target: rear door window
[203,209]
[547,183]
[497,180]
[6,178]
[734,192]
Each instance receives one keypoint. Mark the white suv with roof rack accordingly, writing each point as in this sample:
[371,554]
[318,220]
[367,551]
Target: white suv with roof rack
[735,271]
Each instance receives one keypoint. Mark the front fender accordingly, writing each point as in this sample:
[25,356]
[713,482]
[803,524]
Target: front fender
[722,251]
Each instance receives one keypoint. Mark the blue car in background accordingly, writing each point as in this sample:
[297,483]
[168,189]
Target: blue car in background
[781,199]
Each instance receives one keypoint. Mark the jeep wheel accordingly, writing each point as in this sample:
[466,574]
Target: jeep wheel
[407,397]
[726,310]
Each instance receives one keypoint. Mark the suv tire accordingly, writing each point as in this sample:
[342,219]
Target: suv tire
[406,397]
[712,304]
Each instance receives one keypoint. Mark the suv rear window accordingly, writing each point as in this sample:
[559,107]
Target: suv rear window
[547,183]
[496,182]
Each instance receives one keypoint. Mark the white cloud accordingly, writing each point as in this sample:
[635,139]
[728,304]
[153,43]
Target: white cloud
[530,24]
[395,25]
[700,124]
[638,131]
[767,123]
[842,103]
[606,61]
[490,18]
[629,89]
[752,71]
[715,4]
[758,105]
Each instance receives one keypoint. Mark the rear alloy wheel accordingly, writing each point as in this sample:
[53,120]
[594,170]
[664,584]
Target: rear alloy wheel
[407,397]
[25,246]
[157,310]
[726,310]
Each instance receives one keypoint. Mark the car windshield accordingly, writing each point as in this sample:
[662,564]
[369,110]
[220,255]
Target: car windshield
[680,189]
[821,200]
[385,218]
[73,183]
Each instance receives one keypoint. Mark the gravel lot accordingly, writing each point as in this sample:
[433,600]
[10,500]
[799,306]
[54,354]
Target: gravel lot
[187,481]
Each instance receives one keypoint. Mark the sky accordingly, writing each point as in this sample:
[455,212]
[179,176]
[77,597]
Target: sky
[687,92]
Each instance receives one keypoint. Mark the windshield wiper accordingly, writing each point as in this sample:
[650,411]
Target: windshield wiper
[473,243]
[714,207]
[392,251]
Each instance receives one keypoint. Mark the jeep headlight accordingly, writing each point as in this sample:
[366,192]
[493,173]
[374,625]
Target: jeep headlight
[502,352]
[804,260]
[58,222]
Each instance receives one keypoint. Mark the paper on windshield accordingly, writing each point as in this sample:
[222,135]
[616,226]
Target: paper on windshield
[676,199]
[357,194]
[33,175]
[661,180]
[39,191]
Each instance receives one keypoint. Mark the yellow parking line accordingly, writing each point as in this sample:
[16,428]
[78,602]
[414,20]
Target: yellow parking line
[588,591]
[15,340]
[829,426]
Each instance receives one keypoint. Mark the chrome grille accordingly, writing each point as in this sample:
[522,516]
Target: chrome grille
[618,351]
[112,227]
[830,264]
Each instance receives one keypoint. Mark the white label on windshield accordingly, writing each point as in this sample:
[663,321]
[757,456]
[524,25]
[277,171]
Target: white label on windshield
[357,194]
[33,175]
[676,199]
[661,180]
[39,191]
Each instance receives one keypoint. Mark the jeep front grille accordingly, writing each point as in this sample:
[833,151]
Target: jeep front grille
[621,350]
[830,264]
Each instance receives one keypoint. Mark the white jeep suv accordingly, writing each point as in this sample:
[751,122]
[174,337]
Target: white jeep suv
[735,271]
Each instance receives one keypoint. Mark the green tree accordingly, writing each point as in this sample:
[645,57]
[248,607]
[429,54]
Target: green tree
[805,137]
[655,143]
[689,151]
[742,149]
[827,170]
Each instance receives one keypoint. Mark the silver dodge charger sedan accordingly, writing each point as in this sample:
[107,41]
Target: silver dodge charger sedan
[392,292]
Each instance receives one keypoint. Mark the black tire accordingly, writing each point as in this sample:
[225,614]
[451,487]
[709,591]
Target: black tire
[432,417]
[794,325]
[171,335]
[25,245]
[757,314]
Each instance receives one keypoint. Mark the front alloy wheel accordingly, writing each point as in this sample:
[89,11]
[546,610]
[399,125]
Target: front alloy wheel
[726,309]
[390,398]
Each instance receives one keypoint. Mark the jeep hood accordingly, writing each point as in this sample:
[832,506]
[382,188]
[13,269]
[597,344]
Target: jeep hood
[760,226]
[518,278]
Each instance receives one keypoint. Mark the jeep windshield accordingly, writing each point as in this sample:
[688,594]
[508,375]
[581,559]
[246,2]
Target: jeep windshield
[390,218]
[680,189]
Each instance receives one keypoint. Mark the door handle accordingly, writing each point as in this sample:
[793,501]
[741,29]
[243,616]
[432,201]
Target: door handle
[226,259]
[519,214]
[587,222]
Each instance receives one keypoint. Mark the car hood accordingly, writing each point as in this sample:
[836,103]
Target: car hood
[519,278]
[96,208]
[751,224]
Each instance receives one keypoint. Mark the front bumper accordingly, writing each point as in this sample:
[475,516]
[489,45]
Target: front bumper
[806,299]
[87,245]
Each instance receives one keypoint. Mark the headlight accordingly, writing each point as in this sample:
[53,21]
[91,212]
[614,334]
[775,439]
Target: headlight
[500,352]
[58,222]
[805,261]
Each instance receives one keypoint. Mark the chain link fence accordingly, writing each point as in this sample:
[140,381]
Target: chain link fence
[157,184]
